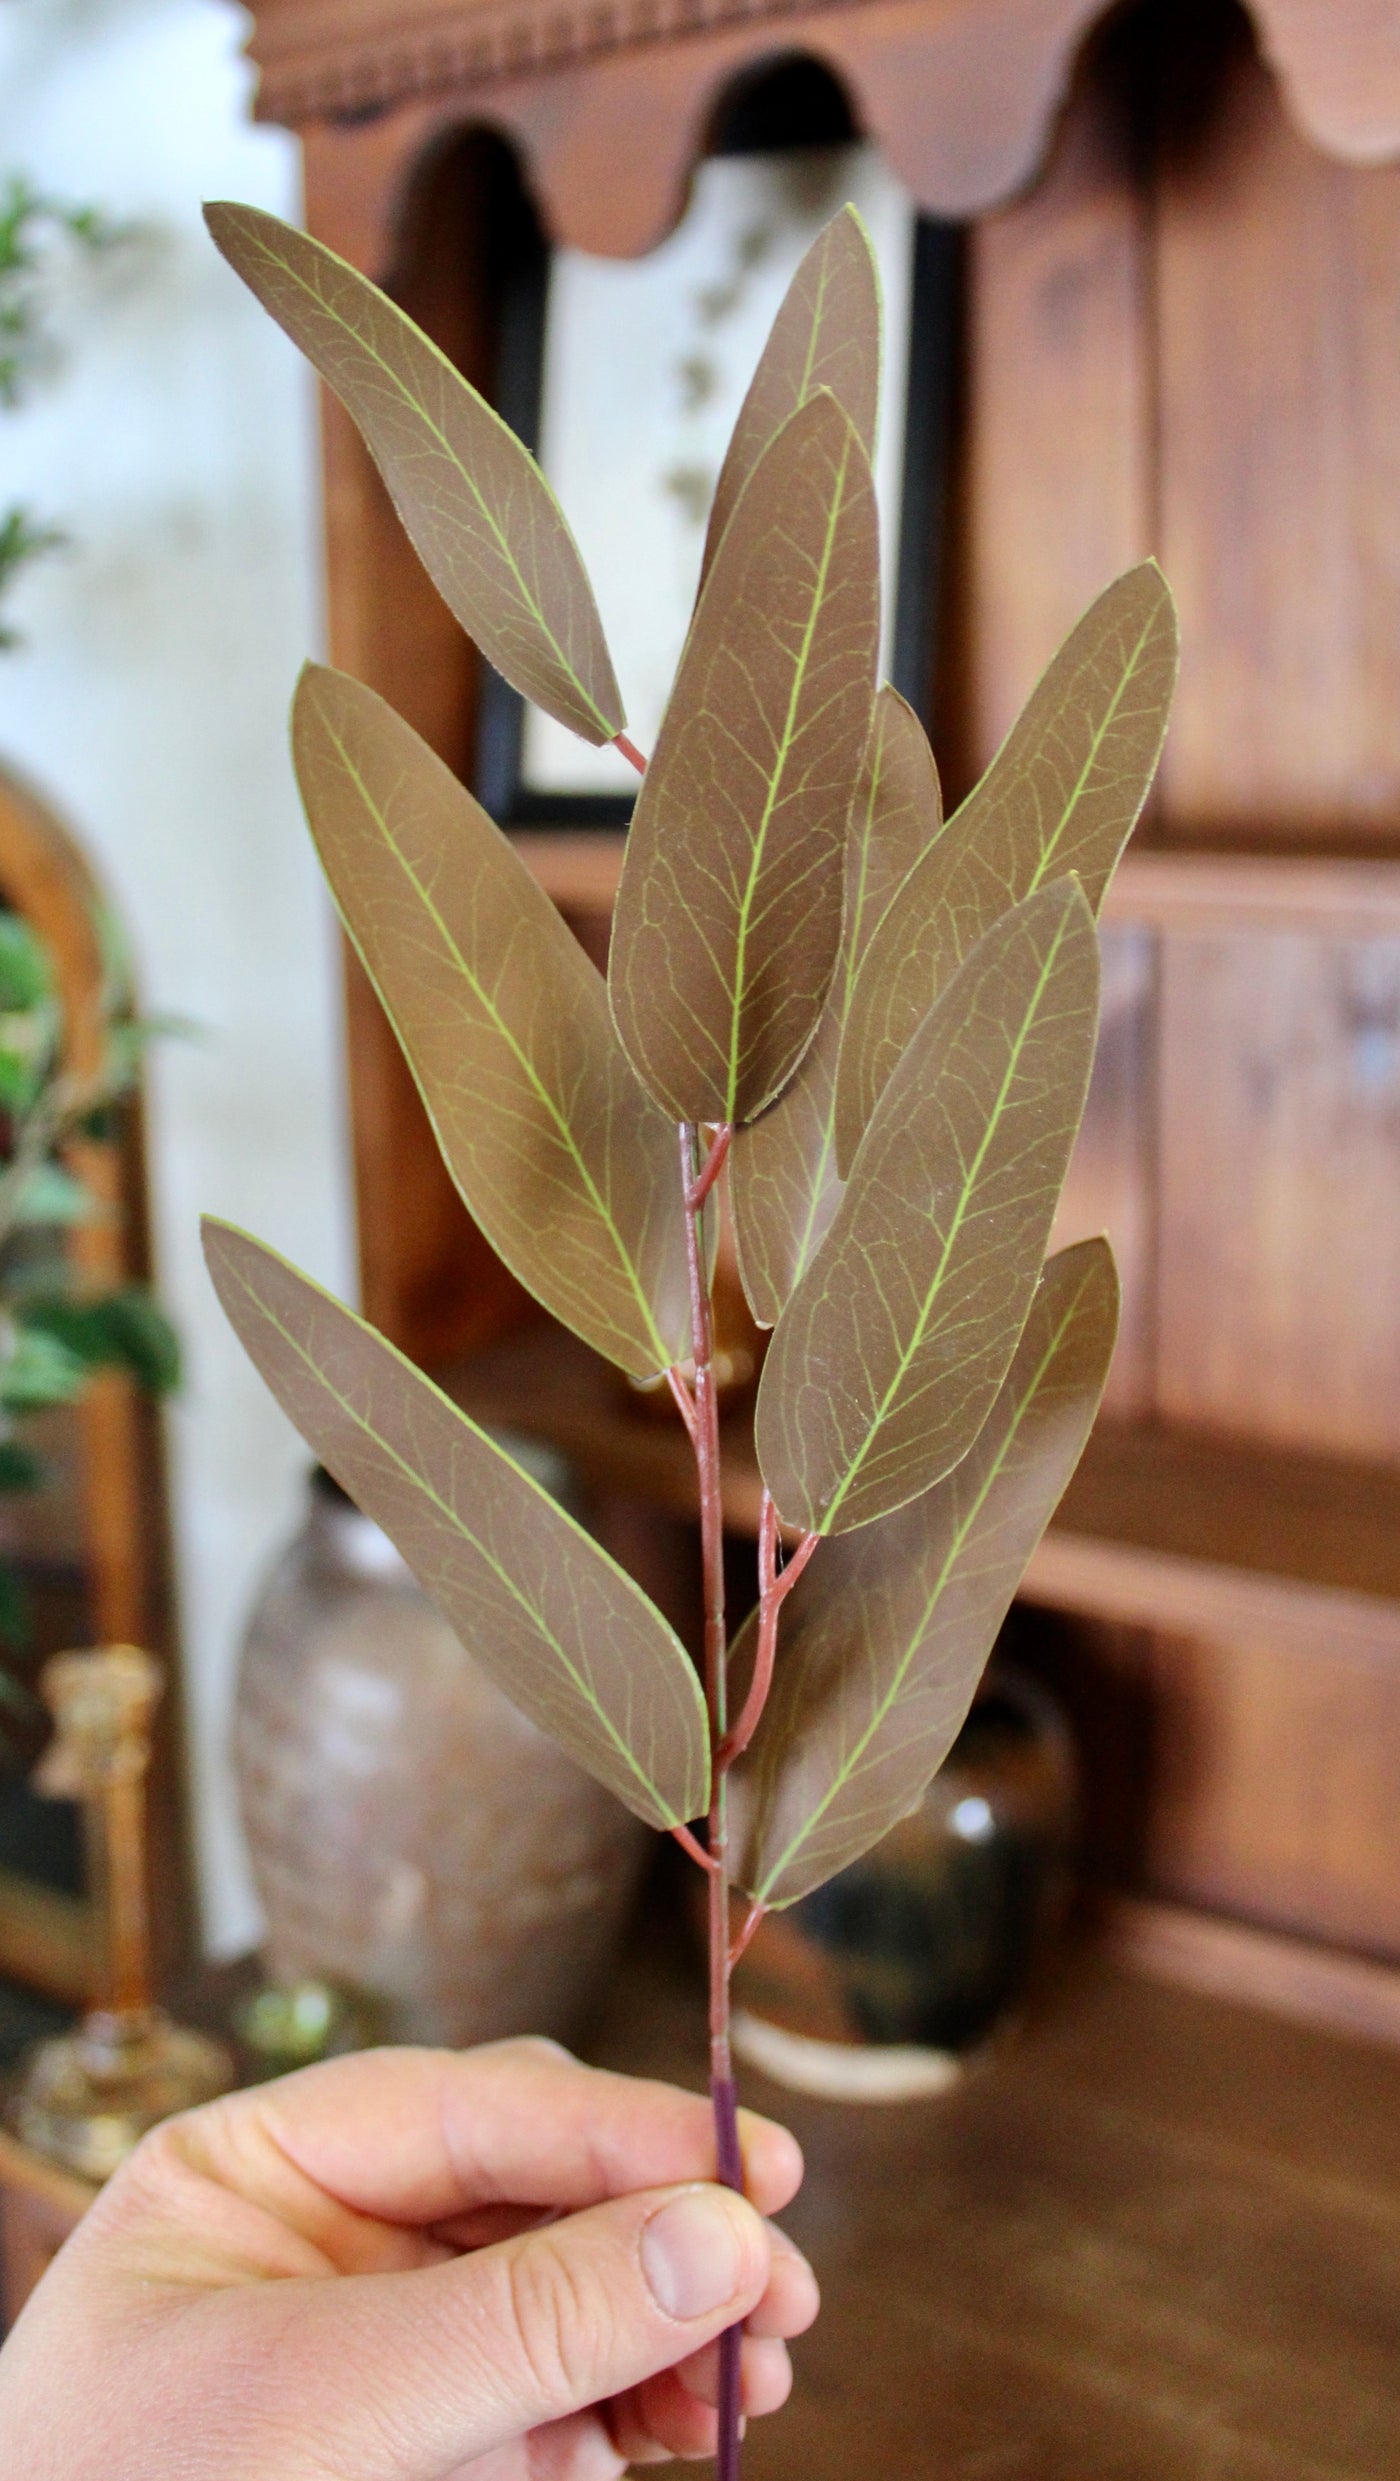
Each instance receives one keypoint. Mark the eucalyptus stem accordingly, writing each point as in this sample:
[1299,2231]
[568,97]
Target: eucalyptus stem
[695,1185]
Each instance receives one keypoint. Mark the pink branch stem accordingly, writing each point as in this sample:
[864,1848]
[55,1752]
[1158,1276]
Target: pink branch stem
[689,1844]
[684,1399]
[728,2159]
[700,1189]
[740,1948]
[775,1584]
[630,752]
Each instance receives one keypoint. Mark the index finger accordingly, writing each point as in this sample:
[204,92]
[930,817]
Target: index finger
[417,2136]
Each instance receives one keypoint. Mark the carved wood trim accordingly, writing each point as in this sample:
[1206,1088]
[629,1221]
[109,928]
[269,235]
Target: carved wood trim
[987,76]
[329,59]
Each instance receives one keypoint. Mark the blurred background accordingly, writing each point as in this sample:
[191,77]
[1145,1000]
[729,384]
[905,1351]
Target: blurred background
[1141,269]
[165,428]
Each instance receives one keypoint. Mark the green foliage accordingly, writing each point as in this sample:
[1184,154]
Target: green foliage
[121,1330]
[15,1634]
[23,538]
[33,227]
[55,1331]
[29,1014]
[20,1468]
[39,1370]
[888,1022]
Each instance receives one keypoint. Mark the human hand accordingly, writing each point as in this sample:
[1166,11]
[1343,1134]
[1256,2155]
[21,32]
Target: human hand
[532,2281]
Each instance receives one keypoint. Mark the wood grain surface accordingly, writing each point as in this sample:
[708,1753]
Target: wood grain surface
[1278,441]
[1279,1234]
[1156,2239]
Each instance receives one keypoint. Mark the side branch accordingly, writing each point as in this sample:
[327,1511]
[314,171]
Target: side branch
[685,1401]
[700,1187]
[696,1850]
[756,1914]
[774,1585]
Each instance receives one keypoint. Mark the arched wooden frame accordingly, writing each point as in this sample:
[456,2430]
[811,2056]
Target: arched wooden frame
[44,1939]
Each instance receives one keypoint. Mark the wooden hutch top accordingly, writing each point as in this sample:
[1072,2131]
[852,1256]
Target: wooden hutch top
[962,95]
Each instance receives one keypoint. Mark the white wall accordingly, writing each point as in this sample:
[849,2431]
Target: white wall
[176,444]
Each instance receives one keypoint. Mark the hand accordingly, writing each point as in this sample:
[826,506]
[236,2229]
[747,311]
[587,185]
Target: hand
[532,2274]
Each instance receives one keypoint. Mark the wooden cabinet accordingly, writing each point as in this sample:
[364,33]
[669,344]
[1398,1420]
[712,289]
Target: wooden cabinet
[1180,276]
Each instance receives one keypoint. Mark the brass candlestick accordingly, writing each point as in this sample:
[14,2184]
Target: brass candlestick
[86,2098]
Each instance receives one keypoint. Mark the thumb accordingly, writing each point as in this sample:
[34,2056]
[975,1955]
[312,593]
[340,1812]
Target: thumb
[453,2361]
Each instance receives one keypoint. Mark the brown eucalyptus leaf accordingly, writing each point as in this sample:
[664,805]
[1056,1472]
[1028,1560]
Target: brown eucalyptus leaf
[885,1636]
[563,1159]
[826,335]
[783,1183]
[474,503]
[884,1365]
[728,916]
[1063,793]
[552,1620]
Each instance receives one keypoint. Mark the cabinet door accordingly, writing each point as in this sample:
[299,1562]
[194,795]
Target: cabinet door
[1280,1188]
[1111,1173]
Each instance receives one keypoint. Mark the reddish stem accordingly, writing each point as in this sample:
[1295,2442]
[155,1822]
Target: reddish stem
[684,1399]
[700,1189]
[729,2164]
[740,1947]
[630,752]
[774,1586]
[689,1844]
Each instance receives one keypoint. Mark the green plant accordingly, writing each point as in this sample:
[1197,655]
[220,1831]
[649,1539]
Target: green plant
[55,1329]
[32,226]
[885,1024]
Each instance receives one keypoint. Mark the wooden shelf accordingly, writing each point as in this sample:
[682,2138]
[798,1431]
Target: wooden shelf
[1153,2237]
[544,1382]
[578,866]
[1188,891]
[1160,1528]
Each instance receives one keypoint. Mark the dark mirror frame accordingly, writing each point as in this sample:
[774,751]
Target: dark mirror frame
[796,103]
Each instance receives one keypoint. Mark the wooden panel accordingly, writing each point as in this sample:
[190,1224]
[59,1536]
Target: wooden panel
[1274,1786]
[1280,1154]
[1253,892]
[1310,1525]
[1242,1773]
[1340,68]
[1234,1960]
[1110,1183]
[1277,277]
[1056,479]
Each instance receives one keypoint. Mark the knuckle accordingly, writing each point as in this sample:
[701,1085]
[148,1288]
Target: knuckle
[154,2172]
[559,2322]
[534,2046]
